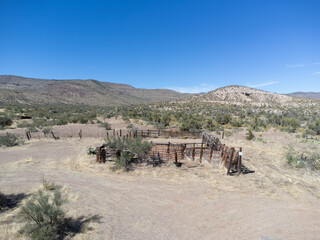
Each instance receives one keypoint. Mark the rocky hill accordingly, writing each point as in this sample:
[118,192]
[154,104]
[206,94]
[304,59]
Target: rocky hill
[240,95]
[15,89]
[312,95]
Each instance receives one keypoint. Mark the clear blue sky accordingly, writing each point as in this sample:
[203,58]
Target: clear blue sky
[190,46]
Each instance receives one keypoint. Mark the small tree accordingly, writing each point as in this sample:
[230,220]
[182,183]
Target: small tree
[43,215]
[250,135]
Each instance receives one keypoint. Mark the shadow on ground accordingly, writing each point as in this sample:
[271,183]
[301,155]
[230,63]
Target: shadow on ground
[244,170]
[11,201]
[80,225]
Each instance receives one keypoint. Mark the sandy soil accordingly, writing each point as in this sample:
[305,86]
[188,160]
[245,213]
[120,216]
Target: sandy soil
[196,201]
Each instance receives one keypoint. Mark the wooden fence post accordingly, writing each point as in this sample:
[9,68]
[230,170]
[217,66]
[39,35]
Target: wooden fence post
[27,133]
[114,132]
[222,151]
[182,150]
[102,155]
[175,157]
[55,138]
[222,134]
[240,162]
[80,134]
[193,151]
[168,151]
[210,154]
[120,133]
[201,153]
[225,155]
[98,154]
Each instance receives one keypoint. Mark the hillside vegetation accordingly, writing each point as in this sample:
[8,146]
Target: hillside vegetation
[21,90]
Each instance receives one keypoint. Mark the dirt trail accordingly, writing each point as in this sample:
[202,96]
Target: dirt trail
[167,202]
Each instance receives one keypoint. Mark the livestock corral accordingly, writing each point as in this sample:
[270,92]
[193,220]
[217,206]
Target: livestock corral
[210,149]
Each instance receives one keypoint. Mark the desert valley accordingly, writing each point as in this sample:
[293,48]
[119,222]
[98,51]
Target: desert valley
[144,192]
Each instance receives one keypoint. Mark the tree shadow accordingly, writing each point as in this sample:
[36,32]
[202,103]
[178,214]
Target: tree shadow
[78,225]
[11,201]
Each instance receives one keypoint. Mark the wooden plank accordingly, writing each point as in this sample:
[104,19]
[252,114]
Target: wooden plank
[210,153]
[230,160]
[201,153]
[225,155]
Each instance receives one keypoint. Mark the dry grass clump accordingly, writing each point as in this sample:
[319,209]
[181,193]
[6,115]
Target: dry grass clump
[48,185]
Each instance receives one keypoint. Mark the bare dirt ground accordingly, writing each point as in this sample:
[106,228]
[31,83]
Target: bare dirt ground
[165,202]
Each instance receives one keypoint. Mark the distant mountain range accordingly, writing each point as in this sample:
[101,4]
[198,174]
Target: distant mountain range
[21,90]
[312,95]
[15,89]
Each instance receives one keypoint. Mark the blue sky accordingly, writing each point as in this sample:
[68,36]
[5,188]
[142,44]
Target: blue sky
[189,46]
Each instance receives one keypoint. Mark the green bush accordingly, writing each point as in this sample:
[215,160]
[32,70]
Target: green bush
[5,121]
[91,151]
[250,135]
[46,130]
[23,124]
[9,140]
[105,125]
[190,125]
[123,161]
[126,149]
[61,122]
[314,128]
[223,118]
[257,124]
[43,215]
[32,128]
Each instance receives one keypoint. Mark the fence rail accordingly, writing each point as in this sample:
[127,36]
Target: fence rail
[102,133]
